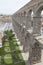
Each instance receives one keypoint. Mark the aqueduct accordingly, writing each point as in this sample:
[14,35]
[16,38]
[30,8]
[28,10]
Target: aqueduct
[28,29]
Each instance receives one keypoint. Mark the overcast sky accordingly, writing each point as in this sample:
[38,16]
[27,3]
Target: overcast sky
[11,6]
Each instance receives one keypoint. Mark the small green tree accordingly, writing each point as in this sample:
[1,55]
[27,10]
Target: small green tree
[8,34]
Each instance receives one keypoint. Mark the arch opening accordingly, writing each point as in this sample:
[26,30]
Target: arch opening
[39,10]
[38,22]
[32,18]
[42,22]
[31,13]
[40,14]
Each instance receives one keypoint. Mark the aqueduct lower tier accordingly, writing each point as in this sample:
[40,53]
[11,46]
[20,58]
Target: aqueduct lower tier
[28,29]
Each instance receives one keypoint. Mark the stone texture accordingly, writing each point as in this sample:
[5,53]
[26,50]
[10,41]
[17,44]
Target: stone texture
[23,23]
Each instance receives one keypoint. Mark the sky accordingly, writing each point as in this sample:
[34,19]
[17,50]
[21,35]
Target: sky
[11,6]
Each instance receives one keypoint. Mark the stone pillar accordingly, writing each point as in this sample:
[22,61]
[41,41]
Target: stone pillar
[19,31]
[37,25]
[28,22]
[27,42]
[23,30]
[23,20]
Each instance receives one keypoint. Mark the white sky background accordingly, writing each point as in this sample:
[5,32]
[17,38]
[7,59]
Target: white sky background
[11,6]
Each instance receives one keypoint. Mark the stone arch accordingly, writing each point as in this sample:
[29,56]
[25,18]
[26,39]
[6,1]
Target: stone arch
[37,20]
[24,13]
[23,18]
[31,13]
[36,53]
[38,14]
[29,19]
[39,9]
